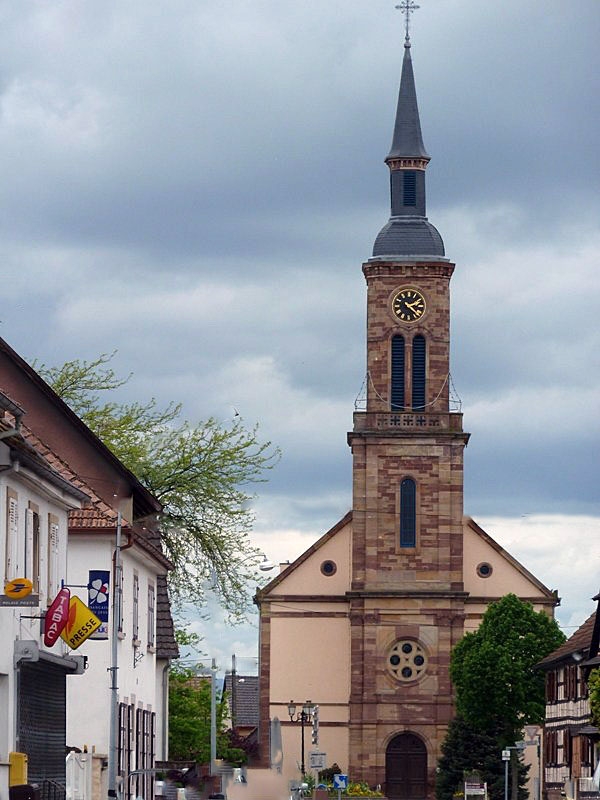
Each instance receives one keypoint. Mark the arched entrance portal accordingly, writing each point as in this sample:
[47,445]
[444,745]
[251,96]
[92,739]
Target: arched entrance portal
[406,768]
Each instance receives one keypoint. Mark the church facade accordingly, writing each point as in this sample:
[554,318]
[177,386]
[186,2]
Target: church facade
[364,622]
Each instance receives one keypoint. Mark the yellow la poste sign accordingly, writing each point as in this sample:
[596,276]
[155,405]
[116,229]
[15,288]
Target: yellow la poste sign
[18,587]
[81,623]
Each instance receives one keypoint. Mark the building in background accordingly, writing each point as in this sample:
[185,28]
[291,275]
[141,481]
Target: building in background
[241,692]
[571,738]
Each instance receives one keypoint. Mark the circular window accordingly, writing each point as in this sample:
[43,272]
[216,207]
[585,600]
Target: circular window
[329,568]
[407,660]
[484,570]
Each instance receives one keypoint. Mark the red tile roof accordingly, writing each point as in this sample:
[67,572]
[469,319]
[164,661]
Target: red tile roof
[99,517]
[579,641]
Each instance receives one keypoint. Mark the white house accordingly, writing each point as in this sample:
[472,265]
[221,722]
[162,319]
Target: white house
[34,505]
[142,668]
[146,642]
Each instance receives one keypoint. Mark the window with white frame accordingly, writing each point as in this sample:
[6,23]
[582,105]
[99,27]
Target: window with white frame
[11,556]
[32,545]
[151,615]
[135,631]
[53,557]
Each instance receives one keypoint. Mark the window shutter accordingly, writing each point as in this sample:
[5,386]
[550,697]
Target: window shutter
[135,633]
[29,523]
[151,615]
[418,372]
[12,536]
[53,556]
[397,392]
[567,747]
[409,186]
[118,583]
[35,556]
[551,687]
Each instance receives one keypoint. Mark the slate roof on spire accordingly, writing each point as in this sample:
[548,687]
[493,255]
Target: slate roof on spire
[407,141]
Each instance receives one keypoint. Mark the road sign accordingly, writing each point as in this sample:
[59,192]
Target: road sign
[506,755]
[317,759]
[80,625]
[472,788]
[340,781]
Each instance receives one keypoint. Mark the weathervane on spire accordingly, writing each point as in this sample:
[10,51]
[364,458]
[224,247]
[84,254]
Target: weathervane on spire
[407,7]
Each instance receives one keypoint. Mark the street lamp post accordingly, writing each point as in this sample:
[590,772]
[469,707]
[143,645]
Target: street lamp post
[304,717]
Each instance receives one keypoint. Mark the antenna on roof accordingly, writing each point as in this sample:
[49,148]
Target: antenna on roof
[407,7]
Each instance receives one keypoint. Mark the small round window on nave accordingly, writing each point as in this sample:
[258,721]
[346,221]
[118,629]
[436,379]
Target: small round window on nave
[407,660]
[484,570]
[328,568]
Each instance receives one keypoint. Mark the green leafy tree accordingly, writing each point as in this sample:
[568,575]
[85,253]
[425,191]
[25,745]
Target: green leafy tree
[594,695]
[201,473]
[466,750]
[493,668]
[498,691]
[190,718]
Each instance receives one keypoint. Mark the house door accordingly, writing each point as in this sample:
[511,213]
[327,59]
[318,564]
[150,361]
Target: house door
[406,768]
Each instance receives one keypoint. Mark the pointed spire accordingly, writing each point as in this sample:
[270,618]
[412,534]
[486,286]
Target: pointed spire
[408,231]
[407,141]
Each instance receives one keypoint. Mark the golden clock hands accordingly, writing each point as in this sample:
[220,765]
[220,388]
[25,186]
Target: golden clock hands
[413,304]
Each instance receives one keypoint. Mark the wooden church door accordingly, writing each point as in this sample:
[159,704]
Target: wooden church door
[406,768]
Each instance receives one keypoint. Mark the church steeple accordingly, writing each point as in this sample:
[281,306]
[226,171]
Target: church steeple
[408,232]
[407,141]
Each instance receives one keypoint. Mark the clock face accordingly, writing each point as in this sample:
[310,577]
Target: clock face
[408,305]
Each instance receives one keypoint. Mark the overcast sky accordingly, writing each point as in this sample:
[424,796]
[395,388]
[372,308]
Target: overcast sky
[196,184]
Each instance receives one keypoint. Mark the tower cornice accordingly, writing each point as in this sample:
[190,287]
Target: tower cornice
[395,162]
[386,267]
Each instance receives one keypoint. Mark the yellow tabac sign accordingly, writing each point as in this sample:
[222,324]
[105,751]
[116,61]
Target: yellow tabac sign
[80,625]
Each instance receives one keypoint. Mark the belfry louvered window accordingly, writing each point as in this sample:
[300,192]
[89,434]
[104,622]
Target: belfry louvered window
[408,513]
[409,189]
[397,393]
[418,372]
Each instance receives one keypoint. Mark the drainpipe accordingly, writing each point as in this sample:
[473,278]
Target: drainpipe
[113,743]
[165,712]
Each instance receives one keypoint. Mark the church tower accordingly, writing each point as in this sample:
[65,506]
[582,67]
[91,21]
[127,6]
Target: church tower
[362,624]
[407,593]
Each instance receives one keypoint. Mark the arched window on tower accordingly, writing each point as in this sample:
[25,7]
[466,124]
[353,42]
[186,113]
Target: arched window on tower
[408,513]
[418,372]
[397,388]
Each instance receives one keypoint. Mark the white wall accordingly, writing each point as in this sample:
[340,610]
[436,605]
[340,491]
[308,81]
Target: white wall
[137,675]
[30,491]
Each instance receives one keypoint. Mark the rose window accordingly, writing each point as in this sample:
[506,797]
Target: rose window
[407,660]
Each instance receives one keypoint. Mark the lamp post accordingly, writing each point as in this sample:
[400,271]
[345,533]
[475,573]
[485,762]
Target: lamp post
[304,717]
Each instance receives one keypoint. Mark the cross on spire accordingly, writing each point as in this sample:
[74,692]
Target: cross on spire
[407,7]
